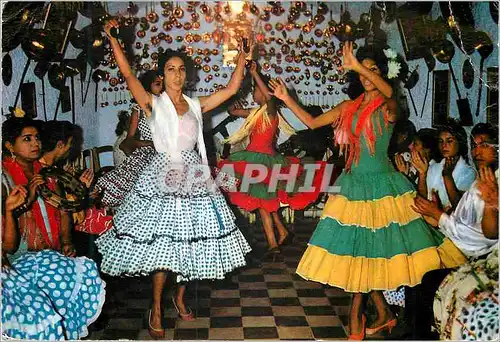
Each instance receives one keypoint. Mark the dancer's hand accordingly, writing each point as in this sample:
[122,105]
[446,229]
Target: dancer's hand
[350,62]
[279,89]
[402,165]
[420,163]
[251,46]
[109,25]
[488,186]
[16,198]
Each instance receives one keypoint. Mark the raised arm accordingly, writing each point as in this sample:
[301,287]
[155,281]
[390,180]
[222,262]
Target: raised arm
[280,91]
[259,82]
[140,94]
[212,101]
[351,63]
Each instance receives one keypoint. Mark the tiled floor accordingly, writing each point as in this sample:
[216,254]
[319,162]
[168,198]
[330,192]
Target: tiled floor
[268,302]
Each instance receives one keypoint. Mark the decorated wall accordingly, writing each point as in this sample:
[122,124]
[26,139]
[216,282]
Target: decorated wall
[298,42]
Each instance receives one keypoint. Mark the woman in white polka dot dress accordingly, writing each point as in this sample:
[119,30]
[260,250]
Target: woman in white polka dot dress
[173,219]
[46,295]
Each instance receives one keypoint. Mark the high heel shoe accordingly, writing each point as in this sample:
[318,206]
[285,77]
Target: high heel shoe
[389,325]
[361,335]
[186,316]
[154,332]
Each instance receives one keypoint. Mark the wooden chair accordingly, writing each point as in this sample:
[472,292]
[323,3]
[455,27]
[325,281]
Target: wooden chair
[97,155]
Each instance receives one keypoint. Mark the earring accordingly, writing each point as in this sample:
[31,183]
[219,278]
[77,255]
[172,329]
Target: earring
[13,156]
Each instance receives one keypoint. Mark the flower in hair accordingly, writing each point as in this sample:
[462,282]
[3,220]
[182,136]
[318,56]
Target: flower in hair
[394,68]
[17,112]
[393,65]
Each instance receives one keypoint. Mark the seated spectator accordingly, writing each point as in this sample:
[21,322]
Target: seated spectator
[473,226]
[424,143]
[46,293]
[402,136]
[452,176]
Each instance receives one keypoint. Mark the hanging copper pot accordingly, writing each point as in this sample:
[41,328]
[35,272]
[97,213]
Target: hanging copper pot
[278,70]
[154,28]
[206,68]
[265,16]
[190,8]
[198,60]
[322,8]
[141,34]
[166,13]
[205,9]
[268,27]
[254,9]
[196,25]
[285,49]
[152,17]
[178,12]
[195,16]
[188,26]
[169,39]
[215,68]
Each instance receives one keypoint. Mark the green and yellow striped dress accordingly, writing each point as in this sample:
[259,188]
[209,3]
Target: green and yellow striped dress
[369,237]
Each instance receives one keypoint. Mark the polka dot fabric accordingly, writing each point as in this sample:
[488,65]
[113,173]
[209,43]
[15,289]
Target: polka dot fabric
[173,220]
[396,297]
[117,183]
[46,295]
[480,320]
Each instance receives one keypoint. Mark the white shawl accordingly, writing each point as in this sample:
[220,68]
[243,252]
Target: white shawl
[164,124]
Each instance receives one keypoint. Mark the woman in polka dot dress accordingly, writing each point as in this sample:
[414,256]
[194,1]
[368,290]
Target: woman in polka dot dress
[45,295]
[174,219]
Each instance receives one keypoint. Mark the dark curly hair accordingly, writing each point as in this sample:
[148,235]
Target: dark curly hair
[13,127]
[147,78]
[488,129]
[123,122]
[188,63]
[376,54]
[428,137]
[55,131]
[453,127]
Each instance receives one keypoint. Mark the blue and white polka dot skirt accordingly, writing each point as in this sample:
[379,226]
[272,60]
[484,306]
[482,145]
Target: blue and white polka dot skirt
[189,230]
[48,296]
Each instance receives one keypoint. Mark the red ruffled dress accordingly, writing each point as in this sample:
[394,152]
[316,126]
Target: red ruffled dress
[260,151]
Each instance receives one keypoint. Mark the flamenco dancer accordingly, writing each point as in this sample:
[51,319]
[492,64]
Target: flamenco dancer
[369,238]
[261,127]
[172,220]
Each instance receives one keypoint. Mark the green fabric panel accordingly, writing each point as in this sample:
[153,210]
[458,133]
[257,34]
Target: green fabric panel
[380,243]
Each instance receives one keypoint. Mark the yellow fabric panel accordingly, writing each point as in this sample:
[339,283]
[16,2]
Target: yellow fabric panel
[374,214]
[361,274]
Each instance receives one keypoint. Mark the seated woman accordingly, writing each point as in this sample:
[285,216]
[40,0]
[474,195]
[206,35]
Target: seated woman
[452,176]
[45,294]
[425,144]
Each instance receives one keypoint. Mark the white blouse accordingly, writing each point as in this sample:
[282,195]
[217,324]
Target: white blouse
[463,175]
[463,226]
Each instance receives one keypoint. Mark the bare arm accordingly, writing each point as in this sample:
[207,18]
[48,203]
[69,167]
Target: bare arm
[489,224]
[212,101]
[236,109]
[260,83]
[281,92]
[130,144]
[142,97]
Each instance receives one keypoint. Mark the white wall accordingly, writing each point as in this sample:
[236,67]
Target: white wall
[99,126]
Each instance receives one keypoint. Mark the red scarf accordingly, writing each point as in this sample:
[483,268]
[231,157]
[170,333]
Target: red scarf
[349,141]
[33,220]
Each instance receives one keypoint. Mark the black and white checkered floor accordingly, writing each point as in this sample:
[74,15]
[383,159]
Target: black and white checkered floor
[265,302]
